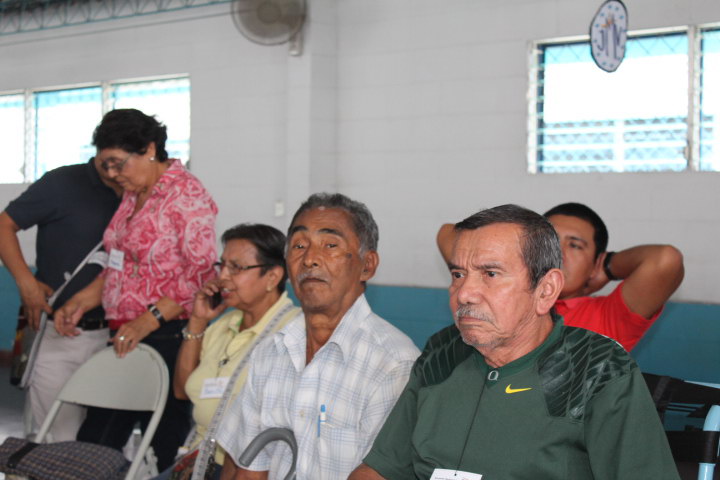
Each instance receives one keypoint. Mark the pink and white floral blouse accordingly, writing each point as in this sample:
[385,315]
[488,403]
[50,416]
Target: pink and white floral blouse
[168,246]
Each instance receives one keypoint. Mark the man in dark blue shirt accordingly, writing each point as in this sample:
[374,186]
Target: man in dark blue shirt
[71,206]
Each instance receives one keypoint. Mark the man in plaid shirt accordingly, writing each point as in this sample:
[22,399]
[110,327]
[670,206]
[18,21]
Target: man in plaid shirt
[334,372]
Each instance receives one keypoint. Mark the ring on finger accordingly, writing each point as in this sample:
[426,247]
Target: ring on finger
[121,338]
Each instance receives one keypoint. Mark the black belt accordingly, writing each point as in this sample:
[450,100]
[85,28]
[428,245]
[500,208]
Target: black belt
[92,323]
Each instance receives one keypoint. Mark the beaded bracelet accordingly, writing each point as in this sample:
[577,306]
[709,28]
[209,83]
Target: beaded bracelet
[192,336]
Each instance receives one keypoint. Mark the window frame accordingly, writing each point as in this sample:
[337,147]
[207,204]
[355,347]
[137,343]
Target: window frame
[30,113]
[694,35]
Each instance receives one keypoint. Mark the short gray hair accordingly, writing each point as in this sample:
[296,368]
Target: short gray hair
[362,220]
[540,244]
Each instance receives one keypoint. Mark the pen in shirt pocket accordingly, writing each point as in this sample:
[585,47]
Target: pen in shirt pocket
[322,418]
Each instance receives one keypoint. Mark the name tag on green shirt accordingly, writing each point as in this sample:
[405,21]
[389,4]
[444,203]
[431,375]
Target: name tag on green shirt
[445,474]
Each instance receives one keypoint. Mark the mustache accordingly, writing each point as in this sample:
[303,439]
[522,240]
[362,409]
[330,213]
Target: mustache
[468,311]
[309,274]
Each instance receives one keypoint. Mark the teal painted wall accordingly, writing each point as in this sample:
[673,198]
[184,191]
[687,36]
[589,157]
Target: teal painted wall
[684,342]
[9,304]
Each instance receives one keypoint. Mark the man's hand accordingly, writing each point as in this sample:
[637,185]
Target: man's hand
[34,295]
[598,279]
[231,471]
[363,472]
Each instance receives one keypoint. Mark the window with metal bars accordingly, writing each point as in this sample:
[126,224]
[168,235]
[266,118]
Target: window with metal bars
[43,129]
[659,111]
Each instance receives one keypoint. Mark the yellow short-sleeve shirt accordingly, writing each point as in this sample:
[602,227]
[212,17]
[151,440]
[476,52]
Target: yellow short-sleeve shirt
[224,346]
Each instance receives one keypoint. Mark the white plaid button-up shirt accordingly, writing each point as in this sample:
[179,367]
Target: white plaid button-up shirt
[357,376]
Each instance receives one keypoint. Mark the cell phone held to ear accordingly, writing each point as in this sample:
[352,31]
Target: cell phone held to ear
[216,300]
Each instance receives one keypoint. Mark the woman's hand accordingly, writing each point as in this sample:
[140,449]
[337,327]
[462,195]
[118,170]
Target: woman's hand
[203,312]
[67,317]
[189,356]
[131,333]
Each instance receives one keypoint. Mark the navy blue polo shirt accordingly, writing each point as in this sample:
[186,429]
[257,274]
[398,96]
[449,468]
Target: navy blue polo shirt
[71,208]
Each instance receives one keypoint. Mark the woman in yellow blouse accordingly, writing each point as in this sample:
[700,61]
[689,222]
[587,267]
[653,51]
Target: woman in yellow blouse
[251,278]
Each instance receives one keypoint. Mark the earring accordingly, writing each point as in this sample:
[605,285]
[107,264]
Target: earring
[152,159]
[269,288]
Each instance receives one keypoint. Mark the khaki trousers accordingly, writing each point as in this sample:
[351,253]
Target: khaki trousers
[57,359]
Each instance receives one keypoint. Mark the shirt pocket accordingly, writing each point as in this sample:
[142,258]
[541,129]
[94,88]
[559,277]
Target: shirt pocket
[339,450]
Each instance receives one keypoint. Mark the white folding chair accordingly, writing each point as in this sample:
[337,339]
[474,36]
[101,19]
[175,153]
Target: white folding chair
[137,382]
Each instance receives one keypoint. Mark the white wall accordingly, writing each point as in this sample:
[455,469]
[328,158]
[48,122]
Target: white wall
[416,107]
[433,124]
[239,91]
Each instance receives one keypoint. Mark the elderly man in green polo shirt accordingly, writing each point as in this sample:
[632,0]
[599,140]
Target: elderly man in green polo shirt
[509,392]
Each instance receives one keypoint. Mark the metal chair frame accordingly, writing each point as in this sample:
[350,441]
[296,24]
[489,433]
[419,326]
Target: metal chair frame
[137,382]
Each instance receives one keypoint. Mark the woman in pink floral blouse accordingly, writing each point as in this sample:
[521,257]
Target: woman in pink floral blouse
[161,246]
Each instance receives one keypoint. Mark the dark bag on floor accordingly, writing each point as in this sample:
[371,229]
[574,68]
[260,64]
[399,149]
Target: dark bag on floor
[61,460]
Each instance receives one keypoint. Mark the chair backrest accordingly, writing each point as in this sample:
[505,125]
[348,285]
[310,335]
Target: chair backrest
[137,382]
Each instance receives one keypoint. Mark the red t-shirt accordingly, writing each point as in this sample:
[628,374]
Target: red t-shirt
[608,316]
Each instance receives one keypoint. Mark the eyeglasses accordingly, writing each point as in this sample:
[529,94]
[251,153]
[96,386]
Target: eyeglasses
[234,268]
[112,163]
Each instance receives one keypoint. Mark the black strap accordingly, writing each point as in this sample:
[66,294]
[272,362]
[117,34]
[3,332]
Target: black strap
[17,457]
[662,388]
[694,446]
[666,390]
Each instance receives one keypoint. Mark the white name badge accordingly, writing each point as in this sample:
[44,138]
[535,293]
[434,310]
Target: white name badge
[445,474]
[214,387]
[115,261]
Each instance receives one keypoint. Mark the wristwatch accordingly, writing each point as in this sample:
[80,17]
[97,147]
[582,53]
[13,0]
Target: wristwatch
[606,266]
[157,314]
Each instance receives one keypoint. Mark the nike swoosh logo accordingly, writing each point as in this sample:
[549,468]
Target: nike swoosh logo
[509,389]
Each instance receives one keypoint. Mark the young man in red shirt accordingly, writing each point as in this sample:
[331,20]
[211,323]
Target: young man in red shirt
[648,275]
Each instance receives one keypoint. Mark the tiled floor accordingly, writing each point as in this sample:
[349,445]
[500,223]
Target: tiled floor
[11,408]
